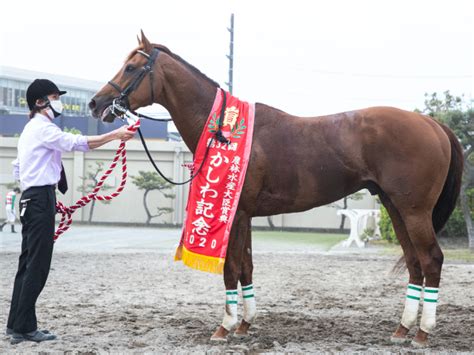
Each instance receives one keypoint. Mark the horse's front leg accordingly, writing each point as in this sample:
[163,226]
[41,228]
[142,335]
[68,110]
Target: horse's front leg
[248,294]
[232,273]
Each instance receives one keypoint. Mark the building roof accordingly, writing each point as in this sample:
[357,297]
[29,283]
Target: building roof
[60,80]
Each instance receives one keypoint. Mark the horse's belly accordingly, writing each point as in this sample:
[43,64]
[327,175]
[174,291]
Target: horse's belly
[309,189]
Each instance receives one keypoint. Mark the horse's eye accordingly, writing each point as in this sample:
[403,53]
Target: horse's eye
[129,68]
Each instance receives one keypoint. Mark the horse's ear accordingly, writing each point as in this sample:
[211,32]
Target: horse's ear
[145,42]
[138,39]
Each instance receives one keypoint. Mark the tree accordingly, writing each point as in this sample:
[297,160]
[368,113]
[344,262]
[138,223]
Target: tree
[89,182]
[345,201]
[453,111]
[150,181]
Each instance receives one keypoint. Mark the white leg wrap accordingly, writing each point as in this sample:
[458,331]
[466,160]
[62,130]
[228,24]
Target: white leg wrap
[412,302]
[428,316]
[230,317]
[250,306]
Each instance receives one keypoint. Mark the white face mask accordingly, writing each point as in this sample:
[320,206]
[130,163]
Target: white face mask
[57,107]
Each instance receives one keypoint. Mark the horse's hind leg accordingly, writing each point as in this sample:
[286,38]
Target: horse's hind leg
[415,282]
[248,294]
[232,273]
[423,238]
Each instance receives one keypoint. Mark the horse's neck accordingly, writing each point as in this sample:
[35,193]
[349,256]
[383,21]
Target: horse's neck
[188,98]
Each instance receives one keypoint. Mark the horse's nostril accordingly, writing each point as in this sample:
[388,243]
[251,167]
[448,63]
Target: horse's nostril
[92,104]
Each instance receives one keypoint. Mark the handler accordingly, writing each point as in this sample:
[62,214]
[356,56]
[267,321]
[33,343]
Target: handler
[10,209]
[39,169]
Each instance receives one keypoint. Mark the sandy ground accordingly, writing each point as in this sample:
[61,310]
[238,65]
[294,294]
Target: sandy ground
[136,299]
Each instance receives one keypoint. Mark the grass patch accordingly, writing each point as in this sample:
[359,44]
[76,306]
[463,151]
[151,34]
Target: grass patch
[458,254]
[320,240]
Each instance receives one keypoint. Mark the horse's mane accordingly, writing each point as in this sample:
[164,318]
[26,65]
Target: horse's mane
[177,57]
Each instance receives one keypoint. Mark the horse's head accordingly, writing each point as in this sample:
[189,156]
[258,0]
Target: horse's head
[135,85]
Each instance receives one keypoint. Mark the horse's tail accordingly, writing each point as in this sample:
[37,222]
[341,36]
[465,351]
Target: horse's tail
[452,186]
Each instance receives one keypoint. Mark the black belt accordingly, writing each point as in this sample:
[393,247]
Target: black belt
[44,187]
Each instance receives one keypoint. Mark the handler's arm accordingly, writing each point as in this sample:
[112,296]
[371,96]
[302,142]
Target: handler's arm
[121,133]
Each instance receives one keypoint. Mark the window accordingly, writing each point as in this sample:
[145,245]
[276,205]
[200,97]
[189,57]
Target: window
[3,96]
[9,101]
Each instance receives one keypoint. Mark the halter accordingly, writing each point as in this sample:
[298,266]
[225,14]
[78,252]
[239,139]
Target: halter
[120,104]
[120,109]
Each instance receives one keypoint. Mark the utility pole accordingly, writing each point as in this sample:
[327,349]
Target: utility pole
[230,83]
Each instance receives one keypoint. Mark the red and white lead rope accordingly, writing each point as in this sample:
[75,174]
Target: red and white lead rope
[66,219]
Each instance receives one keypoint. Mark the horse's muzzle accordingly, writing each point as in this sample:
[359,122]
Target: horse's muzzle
[100,108]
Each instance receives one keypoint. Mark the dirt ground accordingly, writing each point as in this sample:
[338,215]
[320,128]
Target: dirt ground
[144,302]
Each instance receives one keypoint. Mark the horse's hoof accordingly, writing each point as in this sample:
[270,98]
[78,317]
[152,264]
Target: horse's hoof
[400,335]
[419,344]
[220,335]
[398,340]
[420,340]
[243,330]
[240,335]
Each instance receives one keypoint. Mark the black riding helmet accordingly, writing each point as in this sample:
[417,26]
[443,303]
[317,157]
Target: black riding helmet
[39,89]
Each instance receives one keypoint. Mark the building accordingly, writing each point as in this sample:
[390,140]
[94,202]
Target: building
[76,115]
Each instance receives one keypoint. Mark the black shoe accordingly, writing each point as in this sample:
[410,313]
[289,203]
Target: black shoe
[10,331]
[35,336]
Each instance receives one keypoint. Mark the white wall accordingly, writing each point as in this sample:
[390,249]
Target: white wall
[128,207]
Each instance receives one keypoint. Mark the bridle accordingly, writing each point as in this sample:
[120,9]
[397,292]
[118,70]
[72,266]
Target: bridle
[120,108]
[120,105]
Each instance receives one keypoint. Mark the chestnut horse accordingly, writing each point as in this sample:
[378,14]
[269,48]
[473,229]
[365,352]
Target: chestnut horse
[297,163]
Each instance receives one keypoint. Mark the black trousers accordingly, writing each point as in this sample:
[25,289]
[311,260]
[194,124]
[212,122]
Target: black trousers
[39,205]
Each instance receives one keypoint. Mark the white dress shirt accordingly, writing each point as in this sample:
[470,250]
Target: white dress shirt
[39,152]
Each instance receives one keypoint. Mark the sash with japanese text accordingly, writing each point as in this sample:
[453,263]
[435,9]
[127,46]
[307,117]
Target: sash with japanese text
[214,193]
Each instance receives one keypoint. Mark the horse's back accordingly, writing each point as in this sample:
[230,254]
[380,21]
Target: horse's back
[317,160]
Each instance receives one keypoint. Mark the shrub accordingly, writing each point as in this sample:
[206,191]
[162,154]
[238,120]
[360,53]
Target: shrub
[456,225]
[386,228]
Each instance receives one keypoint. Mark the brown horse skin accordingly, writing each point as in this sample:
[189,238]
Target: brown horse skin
[301,163]
[412,162]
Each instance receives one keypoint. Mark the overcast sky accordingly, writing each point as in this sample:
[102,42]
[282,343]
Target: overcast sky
[304,57]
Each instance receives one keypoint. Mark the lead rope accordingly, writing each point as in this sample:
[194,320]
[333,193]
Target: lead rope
[67,212]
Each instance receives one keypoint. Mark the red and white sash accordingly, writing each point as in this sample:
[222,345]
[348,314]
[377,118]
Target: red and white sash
[214,193]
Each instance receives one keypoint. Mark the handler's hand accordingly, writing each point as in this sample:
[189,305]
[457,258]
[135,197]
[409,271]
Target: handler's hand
[123,133]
